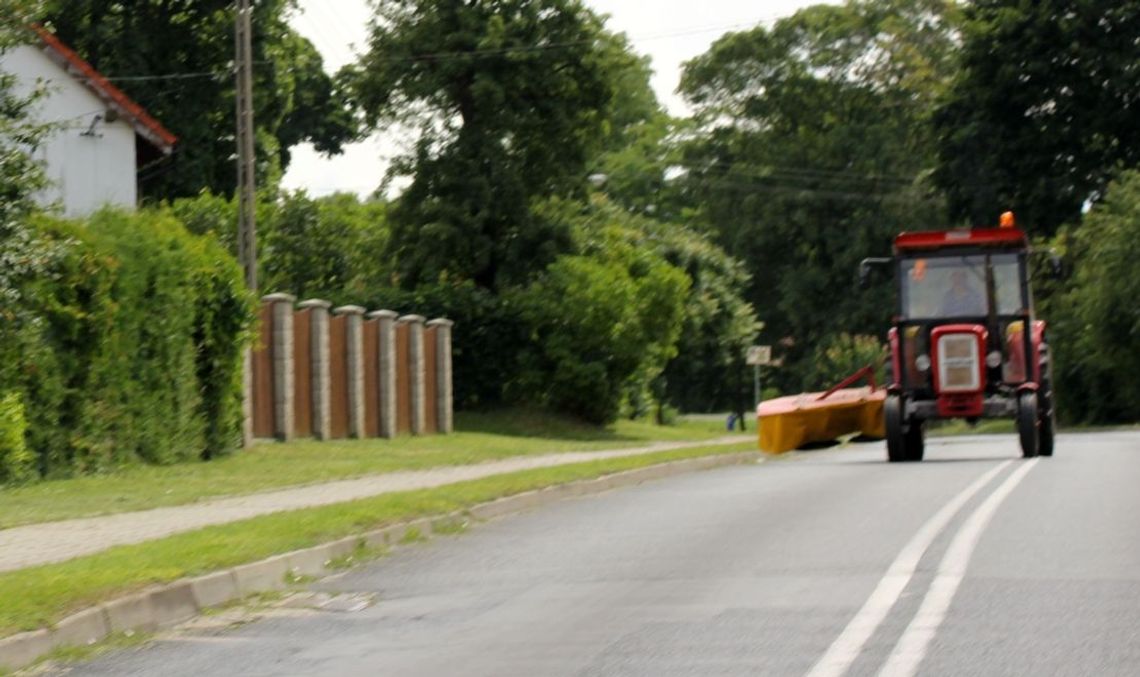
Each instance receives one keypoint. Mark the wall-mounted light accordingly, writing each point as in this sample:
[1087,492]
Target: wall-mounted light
[91,130]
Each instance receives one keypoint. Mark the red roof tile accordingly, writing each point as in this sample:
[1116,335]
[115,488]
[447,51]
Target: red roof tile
[145,125]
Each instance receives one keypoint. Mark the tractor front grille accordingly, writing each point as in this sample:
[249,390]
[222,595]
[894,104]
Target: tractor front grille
[959,363]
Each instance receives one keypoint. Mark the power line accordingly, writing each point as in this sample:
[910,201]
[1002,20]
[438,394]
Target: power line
[441,56]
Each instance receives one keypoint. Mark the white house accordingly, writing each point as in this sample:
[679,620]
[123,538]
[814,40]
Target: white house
[102,137]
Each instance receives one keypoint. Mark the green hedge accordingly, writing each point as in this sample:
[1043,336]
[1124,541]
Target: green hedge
[129,346]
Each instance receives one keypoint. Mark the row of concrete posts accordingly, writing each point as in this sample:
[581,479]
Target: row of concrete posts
[331,373]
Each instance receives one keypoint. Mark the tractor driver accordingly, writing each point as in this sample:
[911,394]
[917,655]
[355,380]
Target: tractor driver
[962,299]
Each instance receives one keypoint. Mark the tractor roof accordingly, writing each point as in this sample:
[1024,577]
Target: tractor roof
[1007,238]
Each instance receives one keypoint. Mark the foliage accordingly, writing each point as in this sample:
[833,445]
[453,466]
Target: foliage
[511,101]
[716,323]
[175,59]
[1043,110]
[17,463]
[841,356]
[133,347]
[331,247]
[598,327]
[810,151]
[211,215]
[20,176]
[24,257]
[1095,321]
[488,336]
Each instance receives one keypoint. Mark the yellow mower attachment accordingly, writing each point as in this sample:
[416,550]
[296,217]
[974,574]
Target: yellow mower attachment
[791,422]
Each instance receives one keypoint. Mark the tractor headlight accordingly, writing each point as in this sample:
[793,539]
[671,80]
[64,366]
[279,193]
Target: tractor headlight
[993,360]
[922,363]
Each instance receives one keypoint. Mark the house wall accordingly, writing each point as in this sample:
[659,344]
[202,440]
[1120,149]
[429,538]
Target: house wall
[87,171]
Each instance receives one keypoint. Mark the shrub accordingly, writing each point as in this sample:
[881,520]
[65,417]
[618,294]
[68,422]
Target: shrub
[841,355]
[595,329]
[129,344]
[1094,325]
[17,463]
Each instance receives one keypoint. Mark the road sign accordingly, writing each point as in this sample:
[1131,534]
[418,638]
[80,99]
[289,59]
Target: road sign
[759,356]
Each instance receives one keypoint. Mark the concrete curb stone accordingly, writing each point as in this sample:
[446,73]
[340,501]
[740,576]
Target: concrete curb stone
[174,603]
[382,538]
[181,600]
[214,589]
[131,613]
[310,561]
[264,576]
[19,650]
[80,629]
[345,547]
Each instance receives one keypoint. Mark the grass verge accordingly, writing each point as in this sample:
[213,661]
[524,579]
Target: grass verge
[481,437]
[40,596]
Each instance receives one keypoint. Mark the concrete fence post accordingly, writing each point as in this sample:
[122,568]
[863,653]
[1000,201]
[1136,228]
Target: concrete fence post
[321,381]
[247,398]
[444,398]
[354,360]
[386,327]
[282,351]
[416,370]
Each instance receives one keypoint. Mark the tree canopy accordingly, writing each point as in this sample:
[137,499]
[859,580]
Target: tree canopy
[510,102]
[176,60]
[811,150]
[1043,111]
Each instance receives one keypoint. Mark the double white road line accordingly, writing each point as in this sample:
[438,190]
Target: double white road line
[911,647]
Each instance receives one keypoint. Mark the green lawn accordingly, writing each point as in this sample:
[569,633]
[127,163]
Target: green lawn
[481,437]
[40,596]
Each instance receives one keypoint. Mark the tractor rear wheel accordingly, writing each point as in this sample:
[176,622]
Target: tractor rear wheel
[896,437]
[1028,424]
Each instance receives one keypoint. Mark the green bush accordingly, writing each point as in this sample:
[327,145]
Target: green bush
[1094,324]
[17,463]
[841,355]
[488,337]
[129,344]
[596,327]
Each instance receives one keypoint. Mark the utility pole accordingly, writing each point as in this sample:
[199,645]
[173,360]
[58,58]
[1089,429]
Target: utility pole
[246,184]
[246,187]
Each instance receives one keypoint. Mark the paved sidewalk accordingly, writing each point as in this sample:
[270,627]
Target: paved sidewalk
[34,544]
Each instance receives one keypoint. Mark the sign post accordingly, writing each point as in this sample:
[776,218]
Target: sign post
[757,356]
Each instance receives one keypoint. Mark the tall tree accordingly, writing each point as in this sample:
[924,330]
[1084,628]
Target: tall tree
[175,59]
[23,257]
[810,150]
[510,101]
[1044,110]
[20,176]
[1095,322]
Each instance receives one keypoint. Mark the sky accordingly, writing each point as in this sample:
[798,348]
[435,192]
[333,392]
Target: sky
[669,31]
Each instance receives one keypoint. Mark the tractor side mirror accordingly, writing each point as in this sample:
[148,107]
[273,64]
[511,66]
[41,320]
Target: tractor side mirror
[866,266]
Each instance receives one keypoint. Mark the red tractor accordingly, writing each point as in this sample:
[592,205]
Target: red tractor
[965,343]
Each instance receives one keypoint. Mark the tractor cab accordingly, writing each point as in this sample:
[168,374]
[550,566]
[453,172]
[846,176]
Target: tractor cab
[964,341]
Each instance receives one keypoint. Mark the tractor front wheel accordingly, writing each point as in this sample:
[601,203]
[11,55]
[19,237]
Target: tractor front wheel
[1028,424]
[898,435]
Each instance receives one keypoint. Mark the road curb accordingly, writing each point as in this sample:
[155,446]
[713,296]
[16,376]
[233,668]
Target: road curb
[179,601]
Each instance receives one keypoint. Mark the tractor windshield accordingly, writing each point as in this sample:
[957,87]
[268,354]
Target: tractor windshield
[955,286]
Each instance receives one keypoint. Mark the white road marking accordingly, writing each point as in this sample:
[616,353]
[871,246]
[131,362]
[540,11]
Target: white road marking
[911,647]
[847,647]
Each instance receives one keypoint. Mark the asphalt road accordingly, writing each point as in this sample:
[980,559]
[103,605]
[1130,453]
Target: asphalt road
[974,562]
